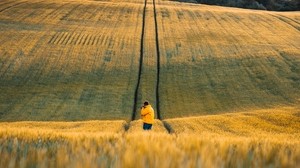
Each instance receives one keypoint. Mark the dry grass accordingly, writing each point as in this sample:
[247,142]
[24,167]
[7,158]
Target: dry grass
[82,127]
[281,122]
[249,139]
[149,150]
[136,126]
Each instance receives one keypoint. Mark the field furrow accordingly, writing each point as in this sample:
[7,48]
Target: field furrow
[136,92]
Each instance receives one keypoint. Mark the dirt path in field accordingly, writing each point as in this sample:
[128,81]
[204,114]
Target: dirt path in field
[148,36]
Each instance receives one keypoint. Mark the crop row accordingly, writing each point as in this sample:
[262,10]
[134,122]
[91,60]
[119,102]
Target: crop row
[64,69]
[65,38]
[60,59]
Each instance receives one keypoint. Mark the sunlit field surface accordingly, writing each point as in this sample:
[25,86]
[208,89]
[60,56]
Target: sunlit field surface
[227,82]
[79,60]
[226,59]
[262,138]
[68,60]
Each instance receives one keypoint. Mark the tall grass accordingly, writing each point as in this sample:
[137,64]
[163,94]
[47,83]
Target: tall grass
[36,144]
[148,149]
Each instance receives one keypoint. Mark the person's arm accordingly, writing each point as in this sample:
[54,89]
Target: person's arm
[144,112]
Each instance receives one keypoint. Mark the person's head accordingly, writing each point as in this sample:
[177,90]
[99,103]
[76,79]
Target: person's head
[146,103]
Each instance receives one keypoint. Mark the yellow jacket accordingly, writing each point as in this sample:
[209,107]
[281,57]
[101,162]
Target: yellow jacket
[147,114]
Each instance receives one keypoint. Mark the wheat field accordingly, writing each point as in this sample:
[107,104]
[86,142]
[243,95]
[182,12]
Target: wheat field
[264,138]
[79,60]
[226,60]
[224,82]
[68,60]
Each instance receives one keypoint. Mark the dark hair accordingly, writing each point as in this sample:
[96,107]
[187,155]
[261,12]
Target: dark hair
[146,103]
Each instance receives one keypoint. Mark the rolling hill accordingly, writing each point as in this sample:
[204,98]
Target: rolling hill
[82,60]
[227,59]
[273,5]
[68,60]
[224,82]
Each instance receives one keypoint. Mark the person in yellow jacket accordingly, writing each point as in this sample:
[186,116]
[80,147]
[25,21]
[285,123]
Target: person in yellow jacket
[147,114]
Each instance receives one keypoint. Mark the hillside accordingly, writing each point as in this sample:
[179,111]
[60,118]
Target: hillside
[227,59]
[87,60]
[68,60]
[273,5]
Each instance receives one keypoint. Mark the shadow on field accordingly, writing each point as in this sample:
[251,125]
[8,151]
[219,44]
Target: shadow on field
[207,86]
[218,85]
[274,5]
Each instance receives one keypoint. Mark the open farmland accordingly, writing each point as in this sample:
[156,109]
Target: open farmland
[264,138]
[224,82]
[68,60]
[215,60]
[78,60]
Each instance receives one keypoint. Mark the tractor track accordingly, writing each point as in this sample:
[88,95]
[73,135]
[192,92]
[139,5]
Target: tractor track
[136,93]
[286,21]
[158,61]
[166,125]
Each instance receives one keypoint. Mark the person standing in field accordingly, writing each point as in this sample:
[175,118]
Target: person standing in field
[147,114]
